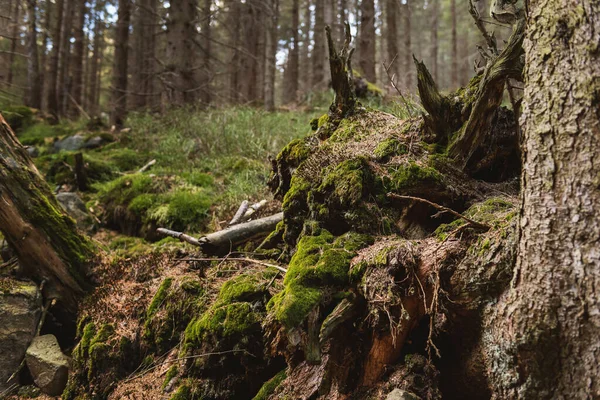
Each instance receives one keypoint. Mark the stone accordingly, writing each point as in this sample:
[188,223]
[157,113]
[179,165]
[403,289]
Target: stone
[94,143]
[71,143]
[48,366]
[20,311]
[75,207]
[399,394]
[32,151]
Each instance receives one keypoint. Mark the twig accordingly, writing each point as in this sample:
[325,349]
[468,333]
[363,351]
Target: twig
[254,208]
[186,358]
[237,259]
[391,78]
[81,110]
[475,224]
[240,213]
[147,166]
[181,236]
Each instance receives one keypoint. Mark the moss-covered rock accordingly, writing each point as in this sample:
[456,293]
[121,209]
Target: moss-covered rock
[18,117]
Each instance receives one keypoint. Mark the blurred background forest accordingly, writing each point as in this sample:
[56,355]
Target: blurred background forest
[79,58]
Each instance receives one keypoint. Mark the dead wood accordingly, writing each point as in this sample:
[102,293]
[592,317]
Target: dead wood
[222,241]
[342,79]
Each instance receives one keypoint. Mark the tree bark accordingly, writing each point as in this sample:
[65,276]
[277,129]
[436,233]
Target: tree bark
[52,81]
[366,45]
[119,89]
[435,10]
[77,59]
[291,92]
[46,240]
[206,70]
[96,61]
[13,41]
[271,48]
[407,47]
[305,67]
[44,54]
[181,85]
[391,37]
[62,82]
[547,328]
[319,51]
[454,45]
[34,94]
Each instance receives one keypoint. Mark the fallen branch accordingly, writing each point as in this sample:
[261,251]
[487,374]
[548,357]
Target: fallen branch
[222,241]
[147,166]
[475,224]
[253,208]
[240,213]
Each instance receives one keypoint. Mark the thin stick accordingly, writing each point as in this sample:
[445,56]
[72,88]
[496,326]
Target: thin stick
[250,260]
[180,235]
[147,166]
[240,213]
[441,208]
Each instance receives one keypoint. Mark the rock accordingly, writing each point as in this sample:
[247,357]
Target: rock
[75,207]
[399,394]
[20,310]
[33,151]
[48,366]
[71,143]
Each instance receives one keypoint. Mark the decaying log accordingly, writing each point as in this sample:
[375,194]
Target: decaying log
[489,97]
[222,241]
[45,239]
[342,79]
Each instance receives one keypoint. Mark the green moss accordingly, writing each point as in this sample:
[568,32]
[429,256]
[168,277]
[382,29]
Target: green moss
[323,119]
[347,182]
[411,175]
[159,298]
[200,179]
[171,373]
[389,147]
[296,196]
[89,331]
[186,209]
[317,264]
[40,134]
[269,387]
[347,129]
[232,314]
[183,393]
[295,152]
[59,168]
[124,159]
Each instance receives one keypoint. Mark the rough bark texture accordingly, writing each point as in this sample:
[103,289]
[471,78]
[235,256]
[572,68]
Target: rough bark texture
[391,15]
[454,45]
[45,239]
[206,69]
[319,51]
[52,95]
[13,41]
[545,342]
[366,45]
[119,85]
[62,80]
[34,94]
[179,78]
[293,65]
[435,9]
[78,58]
[96,61]
[271,57]
[305,62]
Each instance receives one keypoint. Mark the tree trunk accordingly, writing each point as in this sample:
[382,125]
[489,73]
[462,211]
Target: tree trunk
[454,45]
[180,81]
[271,48]
[62,82]
[44,55]
[291,84]
[366,45]
[319,51]
[52,80]
[119,89]
[138,38]
[77,59]
[435,9]
[233,24]
[206,70]
[46,240]
[547,329]
[13,41]
[407,47]
[305,67]
[391,15]
[34,94]
[96,61]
